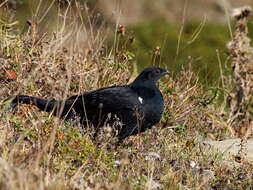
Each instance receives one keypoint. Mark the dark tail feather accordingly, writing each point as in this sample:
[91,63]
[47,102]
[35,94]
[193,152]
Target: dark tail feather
[58,107]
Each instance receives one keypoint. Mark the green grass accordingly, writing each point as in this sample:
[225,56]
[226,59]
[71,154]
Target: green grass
[199,43]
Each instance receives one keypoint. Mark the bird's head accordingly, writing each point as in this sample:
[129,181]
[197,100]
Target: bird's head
[149,76]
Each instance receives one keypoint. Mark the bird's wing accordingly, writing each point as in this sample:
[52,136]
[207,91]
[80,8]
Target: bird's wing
[120,100]
[113,98]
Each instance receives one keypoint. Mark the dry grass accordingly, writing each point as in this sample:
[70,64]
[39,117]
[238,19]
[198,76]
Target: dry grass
[38,151]
[240,99]
[240,117]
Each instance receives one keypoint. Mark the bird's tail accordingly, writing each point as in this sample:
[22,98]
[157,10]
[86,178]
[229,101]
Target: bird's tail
[57,107]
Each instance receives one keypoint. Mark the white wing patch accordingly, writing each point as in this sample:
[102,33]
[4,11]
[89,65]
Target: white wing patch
[140,99]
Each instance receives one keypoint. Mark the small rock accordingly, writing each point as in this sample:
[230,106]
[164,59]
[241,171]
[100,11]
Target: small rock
[153,185]
[207,175]
[194,165]
[117,163]
[231,147]
[152,156]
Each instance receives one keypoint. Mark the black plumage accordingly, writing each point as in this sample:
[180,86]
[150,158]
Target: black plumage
[137,106]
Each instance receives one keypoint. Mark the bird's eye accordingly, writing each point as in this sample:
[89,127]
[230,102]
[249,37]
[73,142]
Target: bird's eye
[157,71]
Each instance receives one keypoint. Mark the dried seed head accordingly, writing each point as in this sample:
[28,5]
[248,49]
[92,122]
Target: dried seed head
[121,30]
[241,12]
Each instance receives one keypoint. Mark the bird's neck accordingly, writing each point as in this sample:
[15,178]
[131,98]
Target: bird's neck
[144,83]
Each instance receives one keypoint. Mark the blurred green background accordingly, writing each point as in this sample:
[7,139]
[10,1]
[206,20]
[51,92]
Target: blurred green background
[188,33]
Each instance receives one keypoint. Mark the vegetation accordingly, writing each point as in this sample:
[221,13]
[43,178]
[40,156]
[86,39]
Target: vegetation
[38,151]
[197,44]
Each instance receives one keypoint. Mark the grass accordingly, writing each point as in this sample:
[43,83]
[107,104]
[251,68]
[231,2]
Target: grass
[39,151]
[197,43]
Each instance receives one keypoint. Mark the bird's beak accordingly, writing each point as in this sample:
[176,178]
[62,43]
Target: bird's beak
[166,73]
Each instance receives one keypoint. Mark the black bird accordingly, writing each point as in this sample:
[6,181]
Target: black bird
[137,106]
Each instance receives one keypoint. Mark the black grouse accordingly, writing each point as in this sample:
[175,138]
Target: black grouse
[137,106]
